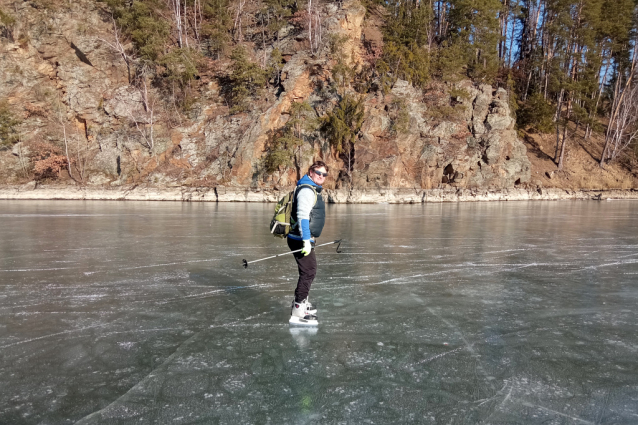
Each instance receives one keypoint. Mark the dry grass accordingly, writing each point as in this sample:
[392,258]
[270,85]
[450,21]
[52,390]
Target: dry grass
[581,169]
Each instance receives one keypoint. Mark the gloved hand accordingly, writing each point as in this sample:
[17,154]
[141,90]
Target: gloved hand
[307,247]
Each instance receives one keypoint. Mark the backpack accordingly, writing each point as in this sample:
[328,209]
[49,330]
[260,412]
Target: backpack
[281,221]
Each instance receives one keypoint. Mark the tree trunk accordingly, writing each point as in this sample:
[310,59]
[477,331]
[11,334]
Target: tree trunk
[177,8]
[559,105]
[310,24]
[601,84]
[564,144]
[185,26]
[617,104]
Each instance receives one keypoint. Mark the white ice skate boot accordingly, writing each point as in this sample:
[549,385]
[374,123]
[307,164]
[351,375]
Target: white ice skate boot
[299,315]
[310,309]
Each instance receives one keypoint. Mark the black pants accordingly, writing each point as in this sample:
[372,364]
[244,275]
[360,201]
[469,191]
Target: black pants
[307,266]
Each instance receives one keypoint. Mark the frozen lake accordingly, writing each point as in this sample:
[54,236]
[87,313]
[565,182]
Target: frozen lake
[141,313]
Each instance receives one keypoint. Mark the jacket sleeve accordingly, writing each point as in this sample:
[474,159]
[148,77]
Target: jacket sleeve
[305,202]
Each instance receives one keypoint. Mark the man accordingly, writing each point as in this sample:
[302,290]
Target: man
[307,218]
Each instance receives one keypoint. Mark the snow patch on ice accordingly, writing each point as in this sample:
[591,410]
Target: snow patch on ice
[126,345]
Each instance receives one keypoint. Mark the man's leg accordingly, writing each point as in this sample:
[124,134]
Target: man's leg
[307,266]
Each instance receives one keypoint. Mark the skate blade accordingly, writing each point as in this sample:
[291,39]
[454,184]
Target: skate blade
[300,321]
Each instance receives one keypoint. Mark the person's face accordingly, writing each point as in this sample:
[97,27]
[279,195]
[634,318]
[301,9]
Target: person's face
[319,175]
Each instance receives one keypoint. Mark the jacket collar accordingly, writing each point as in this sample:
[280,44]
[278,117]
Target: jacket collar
[307,180]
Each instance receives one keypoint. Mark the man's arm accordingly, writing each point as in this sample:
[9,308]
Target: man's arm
[305,202]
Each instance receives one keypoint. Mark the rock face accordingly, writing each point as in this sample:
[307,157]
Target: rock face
[474,145]
[72,90]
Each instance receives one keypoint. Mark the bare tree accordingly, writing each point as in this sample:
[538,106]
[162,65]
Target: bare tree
[185,24]
[176,8]
[141,109]
[146,128]
[623,112]
[314,26]
[197,11]
[119,48]
[310,24]
[624,129]
[22,156]
[237,26]
[61,120]
[147,120]
[83,152]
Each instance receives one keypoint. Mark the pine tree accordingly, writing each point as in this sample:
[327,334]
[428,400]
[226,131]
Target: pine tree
[284,147]
[407,42]
[142,20]
[216,26]
[343,123]
[247,79]
[474,26]
[342,126]
[277,14]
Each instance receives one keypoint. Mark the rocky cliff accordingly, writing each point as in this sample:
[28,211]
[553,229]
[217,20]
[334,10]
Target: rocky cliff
[70,89]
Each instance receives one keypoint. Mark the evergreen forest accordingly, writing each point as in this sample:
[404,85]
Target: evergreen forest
[564,61]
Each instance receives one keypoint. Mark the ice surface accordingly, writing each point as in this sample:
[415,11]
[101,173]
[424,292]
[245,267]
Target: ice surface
[500,313]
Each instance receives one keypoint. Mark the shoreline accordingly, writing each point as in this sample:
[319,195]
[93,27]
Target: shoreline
[31,191]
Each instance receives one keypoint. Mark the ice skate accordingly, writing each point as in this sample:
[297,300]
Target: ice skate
[299,315]
[310,309]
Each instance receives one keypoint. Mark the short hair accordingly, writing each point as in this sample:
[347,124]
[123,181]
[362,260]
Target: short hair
[317,164]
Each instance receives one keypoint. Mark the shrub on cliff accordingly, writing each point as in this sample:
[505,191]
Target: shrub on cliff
[47,159]
[178,69]
[180,66]
[217,22]
[6,25]
[537,113]
[283,150]
[247,79]
[449,61]
[410,63]
[155,54]
[8,125]
[277,14]
[343,123]
[341,54]
[275,65]
[143,22]
[399,116]
[342,126]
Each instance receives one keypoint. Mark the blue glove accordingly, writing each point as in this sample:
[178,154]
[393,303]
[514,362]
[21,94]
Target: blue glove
[307,247]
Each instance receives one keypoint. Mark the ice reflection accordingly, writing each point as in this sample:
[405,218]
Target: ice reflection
[303,336]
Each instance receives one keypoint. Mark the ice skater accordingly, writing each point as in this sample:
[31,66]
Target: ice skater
[307,219]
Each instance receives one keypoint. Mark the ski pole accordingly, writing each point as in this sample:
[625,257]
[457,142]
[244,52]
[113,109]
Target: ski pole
[246,263]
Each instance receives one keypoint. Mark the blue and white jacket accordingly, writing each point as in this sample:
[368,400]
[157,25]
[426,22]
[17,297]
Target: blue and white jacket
[308,216]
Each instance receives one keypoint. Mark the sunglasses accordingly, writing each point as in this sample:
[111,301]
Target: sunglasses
[319,173]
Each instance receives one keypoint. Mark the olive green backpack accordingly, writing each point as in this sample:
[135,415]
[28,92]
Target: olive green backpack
[282,219]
